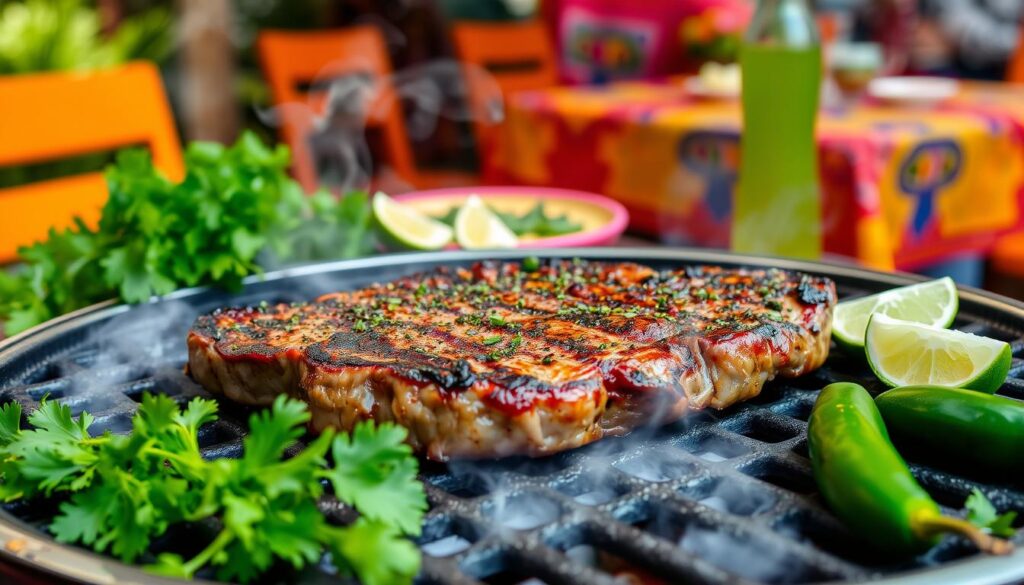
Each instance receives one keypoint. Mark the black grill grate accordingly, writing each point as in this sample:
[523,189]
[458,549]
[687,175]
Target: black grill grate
[718,497]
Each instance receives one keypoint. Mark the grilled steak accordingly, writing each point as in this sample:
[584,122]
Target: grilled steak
[498,359]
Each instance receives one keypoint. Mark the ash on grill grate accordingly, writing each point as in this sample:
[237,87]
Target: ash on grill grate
[718,497]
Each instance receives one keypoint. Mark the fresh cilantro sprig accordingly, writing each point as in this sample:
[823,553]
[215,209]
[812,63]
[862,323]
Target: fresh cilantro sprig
[236,211]
[538,222]
[983,514]
[123,491]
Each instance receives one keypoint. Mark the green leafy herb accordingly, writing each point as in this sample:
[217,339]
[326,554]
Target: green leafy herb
[535,221]
[123,492]
[449,217]
[492,340]
[375,472]
[983,514]
[47,35]
[235,211]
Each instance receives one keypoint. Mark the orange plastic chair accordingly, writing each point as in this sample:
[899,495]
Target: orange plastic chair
[828,26]
[1015,68]
[49,116]
[294,62]
[518,56]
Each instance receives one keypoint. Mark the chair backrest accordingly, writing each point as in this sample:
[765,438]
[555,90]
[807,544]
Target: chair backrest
[299,66]
[47,117]
[1015,68]
[828,26]
[518,56]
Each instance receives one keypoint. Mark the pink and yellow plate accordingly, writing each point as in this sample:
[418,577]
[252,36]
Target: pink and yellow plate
[602,219]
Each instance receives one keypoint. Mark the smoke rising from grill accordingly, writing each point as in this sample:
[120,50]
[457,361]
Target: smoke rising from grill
[341,108]
[135,343]
[596,476]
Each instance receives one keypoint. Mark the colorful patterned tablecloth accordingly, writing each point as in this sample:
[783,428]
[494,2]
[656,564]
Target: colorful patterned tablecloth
[900,187]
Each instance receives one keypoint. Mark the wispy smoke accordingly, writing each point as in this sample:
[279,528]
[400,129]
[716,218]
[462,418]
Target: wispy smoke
[341,108]
[146,341]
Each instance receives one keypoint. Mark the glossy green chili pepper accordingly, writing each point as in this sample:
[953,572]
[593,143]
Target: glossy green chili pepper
[866,482]
[983,429]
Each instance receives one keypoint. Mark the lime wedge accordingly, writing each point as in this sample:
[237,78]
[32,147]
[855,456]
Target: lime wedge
[903,353]
[405,226]
[477,227]
[930,303]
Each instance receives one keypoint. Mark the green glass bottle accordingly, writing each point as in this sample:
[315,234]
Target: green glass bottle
[777,208]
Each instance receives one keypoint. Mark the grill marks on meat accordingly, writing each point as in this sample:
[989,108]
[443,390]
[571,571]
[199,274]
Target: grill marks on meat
[495,360]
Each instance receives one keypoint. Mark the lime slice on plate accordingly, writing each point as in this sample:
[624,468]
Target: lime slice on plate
[477,227]
[408,227]
[903,353]
[931,303]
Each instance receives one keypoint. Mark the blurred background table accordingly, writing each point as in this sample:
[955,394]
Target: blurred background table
[902,187]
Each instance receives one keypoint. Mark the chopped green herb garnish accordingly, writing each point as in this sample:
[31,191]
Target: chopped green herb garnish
[360,325]
[516,342]
[531,263]
[497,320]
[491,340]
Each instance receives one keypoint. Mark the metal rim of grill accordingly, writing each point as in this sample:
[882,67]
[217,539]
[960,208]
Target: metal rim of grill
[657,487]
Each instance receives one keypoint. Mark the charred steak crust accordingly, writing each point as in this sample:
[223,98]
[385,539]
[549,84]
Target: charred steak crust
[494,360]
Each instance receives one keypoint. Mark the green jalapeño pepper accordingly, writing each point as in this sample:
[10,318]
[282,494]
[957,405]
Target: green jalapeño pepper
[984,429]
[866,482]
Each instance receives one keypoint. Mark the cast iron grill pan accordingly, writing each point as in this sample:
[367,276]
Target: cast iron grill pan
[718,497]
